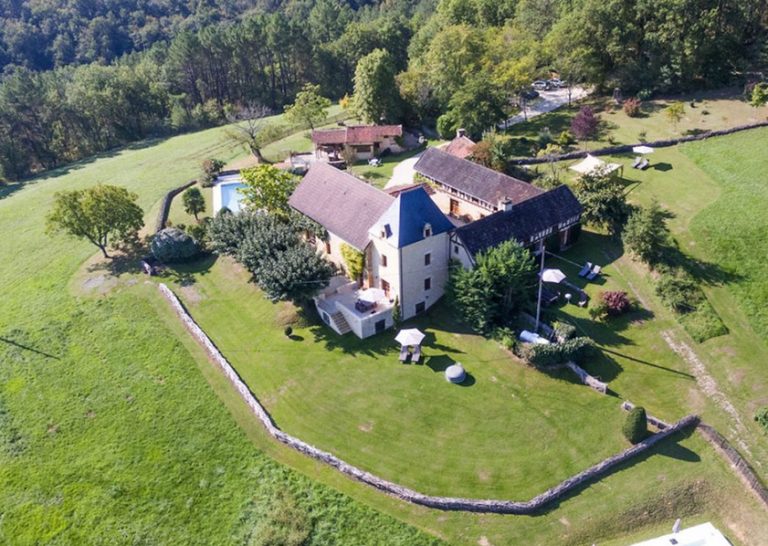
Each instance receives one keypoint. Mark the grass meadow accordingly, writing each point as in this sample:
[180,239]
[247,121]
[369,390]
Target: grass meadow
[117,429]
[111,434]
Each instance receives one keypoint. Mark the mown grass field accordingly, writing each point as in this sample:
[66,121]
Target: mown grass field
[115,437]
[718,191]
[110,433]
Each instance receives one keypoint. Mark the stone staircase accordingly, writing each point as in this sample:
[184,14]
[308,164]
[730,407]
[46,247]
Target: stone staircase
[340,322]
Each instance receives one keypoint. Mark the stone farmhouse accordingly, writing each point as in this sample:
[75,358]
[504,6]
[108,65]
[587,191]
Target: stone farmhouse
[366,141]
[468,191]
[407,241]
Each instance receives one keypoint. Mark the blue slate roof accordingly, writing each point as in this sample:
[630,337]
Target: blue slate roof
[405,219]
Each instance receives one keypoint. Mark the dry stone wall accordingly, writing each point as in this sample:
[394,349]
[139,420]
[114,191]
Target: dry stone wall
[409,495]
[626,148]
[165,205]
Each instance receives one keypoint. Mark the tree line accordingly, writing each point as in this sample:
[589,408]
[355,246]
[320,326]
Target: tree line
[446,62]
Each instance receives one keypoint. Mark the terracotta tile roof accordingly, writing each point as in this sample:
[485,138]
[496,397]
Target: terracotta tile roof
[524,223]
[356,134]
[472,179]
[344,205]
[461,147]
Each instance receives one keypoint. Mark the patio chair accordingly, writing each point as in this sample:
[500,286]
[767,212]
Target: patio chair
[403,353]
[636,162]
[416,355]
[643,164]
[594,273]
[586,269]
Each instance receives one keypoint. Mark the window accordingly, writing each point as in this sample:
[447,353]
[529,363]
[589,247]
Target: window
[454,207]
[420,307]
[327,247]
[428,283]
[427,258]
[427,230]
[455,249]
[385,287]
[380,326]
[383,260]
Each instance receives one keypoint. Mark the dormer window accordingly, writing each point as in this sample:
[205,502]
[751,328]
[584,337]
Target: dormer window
[427,230]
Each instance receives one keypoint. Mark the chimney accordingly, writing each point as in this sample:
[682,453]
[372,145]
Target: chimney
[505,205]
[461,132]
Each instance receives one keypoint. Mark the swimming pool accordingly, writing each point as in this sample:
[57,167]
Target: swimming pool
[225,194]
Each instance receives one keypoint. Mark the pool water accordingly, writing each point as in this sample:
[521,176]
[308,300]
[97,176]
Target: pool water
[230,197]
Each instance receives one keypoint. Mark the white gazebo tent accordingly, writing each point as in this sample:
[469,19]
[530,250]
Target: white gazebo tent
[591,163]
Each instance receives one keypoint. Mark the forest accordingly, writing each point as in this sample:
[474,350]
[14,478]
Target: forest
[82,77]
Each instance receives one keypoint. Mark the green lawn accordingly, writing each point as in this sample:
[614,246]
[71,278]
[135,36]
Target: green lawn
[177,215]
[718,192]
[110,432]
[712,110]
[298,142]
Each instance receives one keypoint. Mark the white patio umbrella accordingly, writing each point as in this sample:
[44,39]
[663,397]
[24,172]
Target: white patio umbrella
[552,275]
[642,150]
[410,336]
[371,295]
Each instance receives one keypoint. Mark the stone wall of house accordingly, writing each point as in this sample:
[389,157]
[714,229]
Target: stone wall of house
[409,495]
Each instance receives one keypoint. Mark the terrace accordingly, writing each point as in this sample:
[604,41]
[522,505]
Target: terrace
[342,306]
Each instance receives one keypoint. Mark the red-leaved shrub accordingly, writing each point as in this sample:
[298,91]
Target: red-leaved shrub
[632,107]
[616,302]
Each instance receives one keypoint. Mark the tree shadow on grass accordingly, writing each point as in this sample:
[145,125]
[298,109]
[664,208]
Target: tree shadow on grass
[669,447]
[28,348]
[187,273]
[379,345]
[707,272]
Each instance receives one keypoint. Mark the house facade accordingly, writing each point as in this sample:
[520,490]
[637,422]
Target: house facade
[366,141]
[408,242]
[468,191]
[552,218]
[403,238]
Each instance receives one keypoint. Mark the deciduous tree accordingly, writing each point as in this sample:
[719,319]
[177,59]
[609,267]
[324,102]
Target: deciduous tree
[604,201]
[646,234]
[309,108]
[376,96]
[268,188]
[194,202]
[99,214]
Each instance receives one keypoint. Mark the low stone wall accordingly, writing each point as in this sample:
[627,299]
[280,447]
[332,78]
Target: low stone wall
[587,379]
[626,148]
[409,495]
[165,205]
[741,466]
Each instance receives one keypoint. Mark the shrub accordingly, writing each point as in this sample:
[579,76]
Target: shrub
[544,137]
[288,331]
[565,139]
[644,94]
[703,323]
[636,425]
[173,245]
[632,107]
[762,417]
[211,169]
[564,330]
[679,290]
[199,232]
[576,349]
[505,337]
[616,302]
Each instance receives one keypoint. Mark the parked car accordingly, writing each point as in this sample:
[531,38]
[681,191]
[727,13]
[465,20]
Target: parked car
[529,94]
[540,85]
[555,82]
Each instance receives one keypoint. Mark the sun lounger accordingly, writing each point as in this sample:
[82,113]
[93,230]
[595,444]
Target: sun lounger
[636,162]
[594,273]
[643,164]
[403,353]
[586,269]
[416,354]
